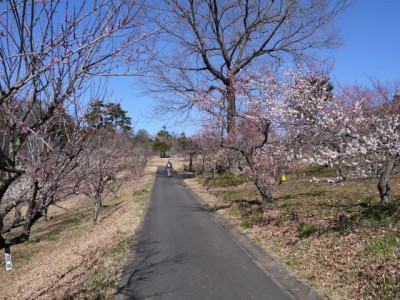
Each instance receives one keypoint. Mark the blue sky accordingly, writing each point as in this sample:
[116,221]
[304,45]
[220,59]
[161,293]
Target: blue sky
[371,43]
[371,48]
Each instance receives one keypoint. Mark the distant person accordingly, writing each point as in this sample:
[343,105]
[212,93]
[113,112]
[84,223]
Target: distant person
[169,168]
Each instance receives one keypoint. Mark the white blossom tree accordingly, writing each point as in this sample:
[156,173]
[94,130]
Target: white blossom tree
[358,127]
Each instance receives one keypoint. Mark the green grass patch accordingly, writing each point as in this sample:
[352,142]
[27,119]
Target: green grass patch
[257,240]
[249,218]
[53,236]
[25,257]
[97,284]
[317,171]
[380,215]
[123,246]
[294,262]
[382,246]
[237,194]
[225,180]
[246,223]
[234,211]
[142,192]
[306,229]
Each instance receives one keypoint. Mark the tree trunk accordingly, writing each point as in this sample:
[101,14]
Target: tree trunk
[383,185]
[339,173]
[2,242]
[26,231]
[264,191]
[97,206]
[231,107]
[30,219]
[190,162]
[18,219]
[231,122]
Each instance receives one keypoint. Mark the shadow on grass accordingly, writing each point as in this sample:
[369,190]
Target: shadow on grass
[187,175]
[298,196]
[109,210]
[49,229]
[242,205]
[236,195]
[379,214]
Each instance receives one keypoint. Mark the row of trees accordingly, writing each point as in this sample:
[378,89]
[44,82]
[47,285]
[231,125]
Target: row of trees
[226,60]
[53,55]
[166,142]
[53,142]
[64,158]
[282,122]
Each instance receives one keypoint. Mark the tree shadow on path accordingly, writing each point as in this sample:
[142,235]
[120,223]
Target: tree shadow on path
[146,263]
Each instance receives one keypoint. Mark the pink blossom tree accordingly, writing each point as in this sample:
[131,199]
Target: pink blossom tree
[259,136]
[108,161]
[50,159]
[50,51]
[297,116]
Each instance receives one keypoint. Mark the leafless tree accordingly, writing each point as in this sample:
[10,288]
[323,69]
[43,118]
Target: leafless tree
[50,159]
[107,162]
[212,43]
[50,53]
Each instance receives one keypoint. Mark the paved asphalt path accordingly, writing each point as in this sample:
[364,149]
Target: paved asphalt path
[182,253]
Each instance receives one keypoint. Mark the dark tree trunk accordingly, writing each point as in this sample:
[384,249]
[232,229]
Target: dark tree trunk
[97,207]
[45,210]
[1,224]
[383,185]
[343,222]
[30,219]
[2,242]
[231,106]
[264,191]
[233,162]
[17,220]
[339,172]
[191,162]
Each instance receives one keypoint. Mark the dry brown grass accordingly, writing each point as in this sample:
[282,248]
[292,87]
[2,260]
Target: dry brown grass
[69,258]
[362,262]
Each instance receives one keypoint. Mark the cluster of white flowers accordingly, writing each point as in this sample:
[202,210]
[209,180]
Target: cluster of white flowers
[300,117]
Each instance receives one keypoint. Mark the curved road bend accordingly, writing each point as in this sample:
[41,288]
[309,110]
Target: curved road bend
[182,253]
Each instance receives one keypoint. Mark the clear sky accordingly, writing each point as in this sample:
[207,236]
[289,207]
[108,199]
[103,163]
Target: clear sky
[371,42]
[371,48]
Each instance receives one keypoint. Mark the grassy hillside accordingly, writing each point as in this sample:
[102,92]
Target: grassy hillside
[69,258]
[302,229]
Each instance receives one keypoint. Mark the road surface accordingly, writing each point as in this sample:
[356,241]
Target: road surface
[183,253]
